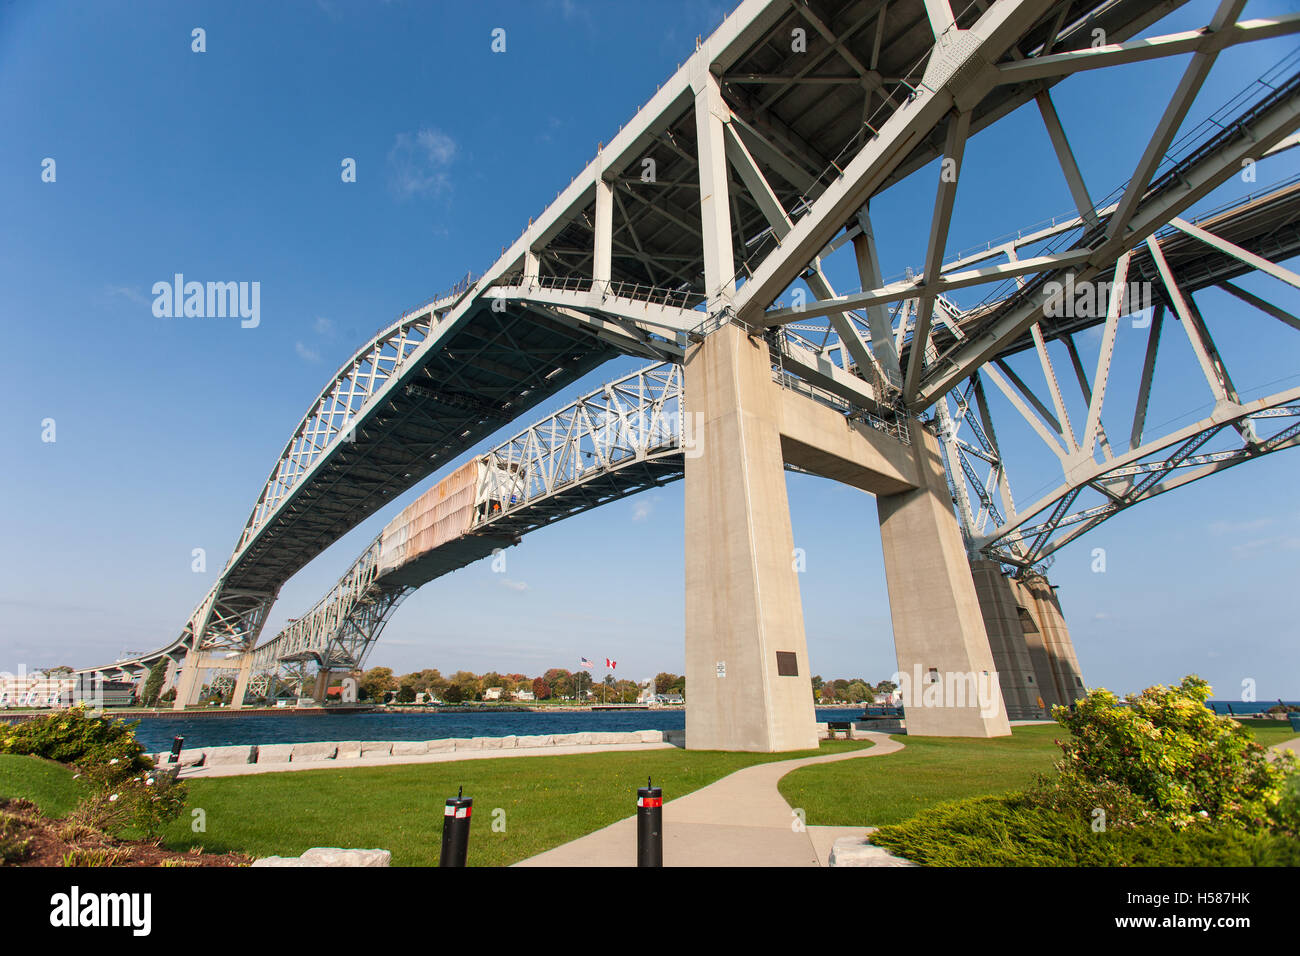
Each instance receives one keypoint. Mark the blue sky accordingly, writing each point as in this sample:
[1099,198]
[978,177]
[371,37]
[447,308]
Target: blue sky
[226,165]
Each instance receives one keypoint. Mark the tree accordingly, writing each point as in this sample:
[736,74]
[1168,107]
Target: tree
[376,683]
[453,694]
[664,682]
[421,681]
[817,685]
[858,691]
[560,680]
[153,685]
[467,683]
[541,689]
[406,694]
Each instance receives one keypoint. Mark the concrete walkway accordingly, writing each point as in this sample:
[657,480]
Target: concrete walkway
[741,820]
[1291,745]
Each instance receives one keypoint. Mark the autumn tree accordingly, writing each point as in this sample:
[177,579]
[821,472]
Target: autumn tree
[377,682]
[560,681]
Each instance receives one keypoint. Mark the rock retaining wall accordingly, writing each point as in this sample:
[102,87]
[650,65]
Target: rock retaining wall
[354,749]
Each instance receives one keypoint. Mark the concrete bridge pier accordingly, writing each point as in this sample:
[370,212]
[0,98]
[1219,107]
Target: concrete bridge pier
[1030,641]
[747,677]
[241,681]
[321,687]
[946,671]
[747,668]
[189,684]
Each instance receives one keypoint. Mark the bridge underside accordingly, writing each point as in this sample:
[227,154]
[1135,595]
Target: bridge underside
[756,160]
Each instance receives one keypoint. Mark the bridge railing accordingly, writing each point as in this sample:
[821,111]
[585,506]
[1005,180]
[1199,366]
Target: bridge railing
[620,289]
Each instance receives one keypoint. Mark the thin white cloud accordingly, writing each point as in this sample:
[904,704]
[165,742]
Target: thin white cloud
[514,585]
[1236,527]
[306,354]
[1249,549]
[322,326]
[127,292]
[419,163]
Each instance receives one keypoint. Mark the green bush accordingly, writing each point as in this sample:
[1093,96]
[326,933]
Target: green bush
[1174,755]
[145,803]
[128,793]
[74,737]
[1017,829]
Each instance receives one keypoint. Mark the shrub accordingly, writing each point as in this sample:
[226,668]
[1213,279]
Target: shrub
[1017,830]
[128,792]
[14,846]
[145,803]
[74,737]
[1174,755]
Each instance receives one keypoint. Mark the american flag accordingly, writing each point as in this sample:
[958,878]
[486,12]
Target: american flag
[612,665]
[586,663]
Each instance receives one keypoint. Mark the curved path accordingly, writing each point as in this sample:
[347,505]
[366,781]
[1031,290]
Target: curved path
[741,820]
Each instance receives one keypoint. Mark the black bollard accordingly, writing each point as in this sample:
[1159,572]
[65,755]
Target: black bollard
[455,830]
[649,825]
[177,743]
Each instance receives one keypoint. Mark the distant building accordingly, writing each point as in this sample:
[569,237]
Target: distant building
[42,690]
[492,693]
[525,695]
[670,698]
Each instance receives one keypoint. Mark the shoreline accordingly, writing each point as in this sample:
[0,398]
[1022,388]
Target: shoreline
[136,713]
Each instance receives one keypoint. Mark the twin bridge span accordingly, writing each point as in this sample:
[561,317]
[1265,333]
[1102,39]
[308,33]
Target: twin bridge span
[742,179]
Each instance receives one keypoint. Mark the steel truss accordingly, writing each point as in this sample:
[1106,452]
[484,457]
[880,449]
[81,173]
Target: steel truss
[752,165]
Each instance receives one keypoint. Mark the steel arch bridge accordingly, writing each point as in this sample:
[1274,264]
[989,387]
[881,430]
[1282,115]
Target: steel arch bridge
[744,172]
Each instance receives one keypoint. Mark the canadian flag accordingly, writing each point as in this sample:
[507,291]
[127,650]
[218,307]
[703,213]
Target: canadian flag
[611,664]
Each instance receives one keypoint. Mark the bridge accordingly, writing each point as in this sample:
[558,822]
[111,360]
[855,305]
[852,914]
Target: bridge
[732,187]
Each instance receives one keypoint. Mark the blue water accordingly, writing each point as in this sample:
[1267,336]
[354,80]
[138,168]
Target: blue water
[1239,708]
[156,733]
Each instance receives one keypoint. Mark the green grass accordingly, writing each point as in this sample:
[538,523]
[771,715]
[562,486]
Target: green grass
[548,800]
[47,784]
[1272,735]
[894,787]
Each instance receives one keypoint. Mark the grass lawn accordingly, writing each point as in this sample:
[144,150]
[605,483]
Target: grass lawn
[895,787]
[929,770]
[547,801]
[47,784]
[1269,736]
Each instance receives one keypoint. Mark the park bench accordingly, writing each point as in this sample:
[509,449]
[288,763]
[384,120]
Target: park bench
[835,726]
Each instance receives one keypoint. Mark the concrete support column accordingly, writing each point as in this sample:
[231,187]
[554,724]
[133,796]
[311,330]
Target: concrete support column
[241,682]
[1062,664]
[321,689]
[189,685]
[1027,607]
[1006,634]
[747,675]
[938,629]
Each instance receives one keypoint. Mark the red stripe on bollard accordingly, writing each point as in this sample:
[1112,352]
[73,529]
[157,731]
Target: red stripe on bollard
[455,831]
[649,825]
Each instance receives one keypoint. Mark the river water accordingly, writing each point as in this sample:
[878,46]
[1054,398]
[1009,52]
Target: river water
[156,733]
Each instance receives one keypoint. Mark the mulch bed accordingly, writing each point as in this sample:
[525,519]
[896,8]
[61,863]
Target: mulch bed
[21,822]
